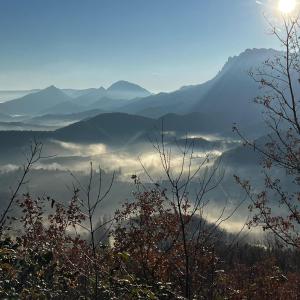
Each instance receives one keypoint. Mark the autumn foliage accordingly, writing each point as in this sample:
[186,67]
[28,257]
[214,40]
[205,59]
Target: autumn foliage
[144,260]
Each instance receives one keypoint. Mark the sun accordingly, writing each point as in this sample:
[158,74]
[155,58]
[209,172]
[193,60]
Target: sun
[286,6]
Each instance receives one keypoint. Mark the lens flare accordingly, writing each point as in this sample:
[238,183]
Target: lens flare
[286,6]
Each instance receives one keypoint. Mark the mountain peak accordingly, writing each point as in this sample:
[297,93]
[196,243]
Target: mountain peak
[101,89]
[51,87]
[126,90]
[125,85]
[35,103]
[51,90]
[258,52]
[250,58]
[255,53]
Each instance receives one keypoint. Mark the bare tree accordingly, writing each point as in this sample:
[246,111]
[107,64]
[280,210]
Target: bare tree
[34,156]
[90,203]
[279,79]
[187,186]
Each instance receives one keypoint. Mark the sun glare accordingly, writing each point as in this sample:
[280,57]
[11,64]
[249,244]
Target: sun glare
[286,6]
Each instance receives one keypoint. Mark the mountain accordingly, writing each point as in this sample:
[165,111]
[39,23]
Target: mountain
[35,103]
[53,100]
[10,95]
[117,129]
[91,97]
[113,98]
[231,92]
[109,128]
[245,155]
[240,157]
[61,120]
[108,104]
[234,91]
[180,101]
[124,128]
[21,126]
[106,128]
[5,118]
[126,90]
[192,123]
[51,119]
[75,93]
[63,108]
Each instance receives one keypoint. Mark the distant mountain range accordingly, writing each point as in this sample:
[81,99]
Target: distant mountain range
[117,129]
[53,100]
[121,90]
[10,95]
[228,96]
[51,119]
[35,103]
[126,91]
[231,92]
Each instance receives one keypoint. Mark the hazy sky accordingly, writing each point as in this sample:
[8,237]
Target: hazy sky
[159,44]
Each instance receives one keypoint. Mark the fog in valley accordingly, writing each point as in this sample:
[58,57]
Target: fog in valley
[150,149]
[123,130]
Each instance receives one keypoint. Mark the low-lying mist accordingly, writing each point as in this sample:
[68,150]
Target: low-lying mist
[67,165]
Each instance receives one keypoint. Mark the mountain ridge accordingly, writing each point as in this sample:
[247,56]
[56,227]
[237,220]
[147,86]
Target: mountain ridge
[36,102]
[231,91]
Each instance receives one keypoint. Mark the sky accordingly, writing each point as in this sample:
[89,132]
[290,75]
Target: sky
[158,44]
